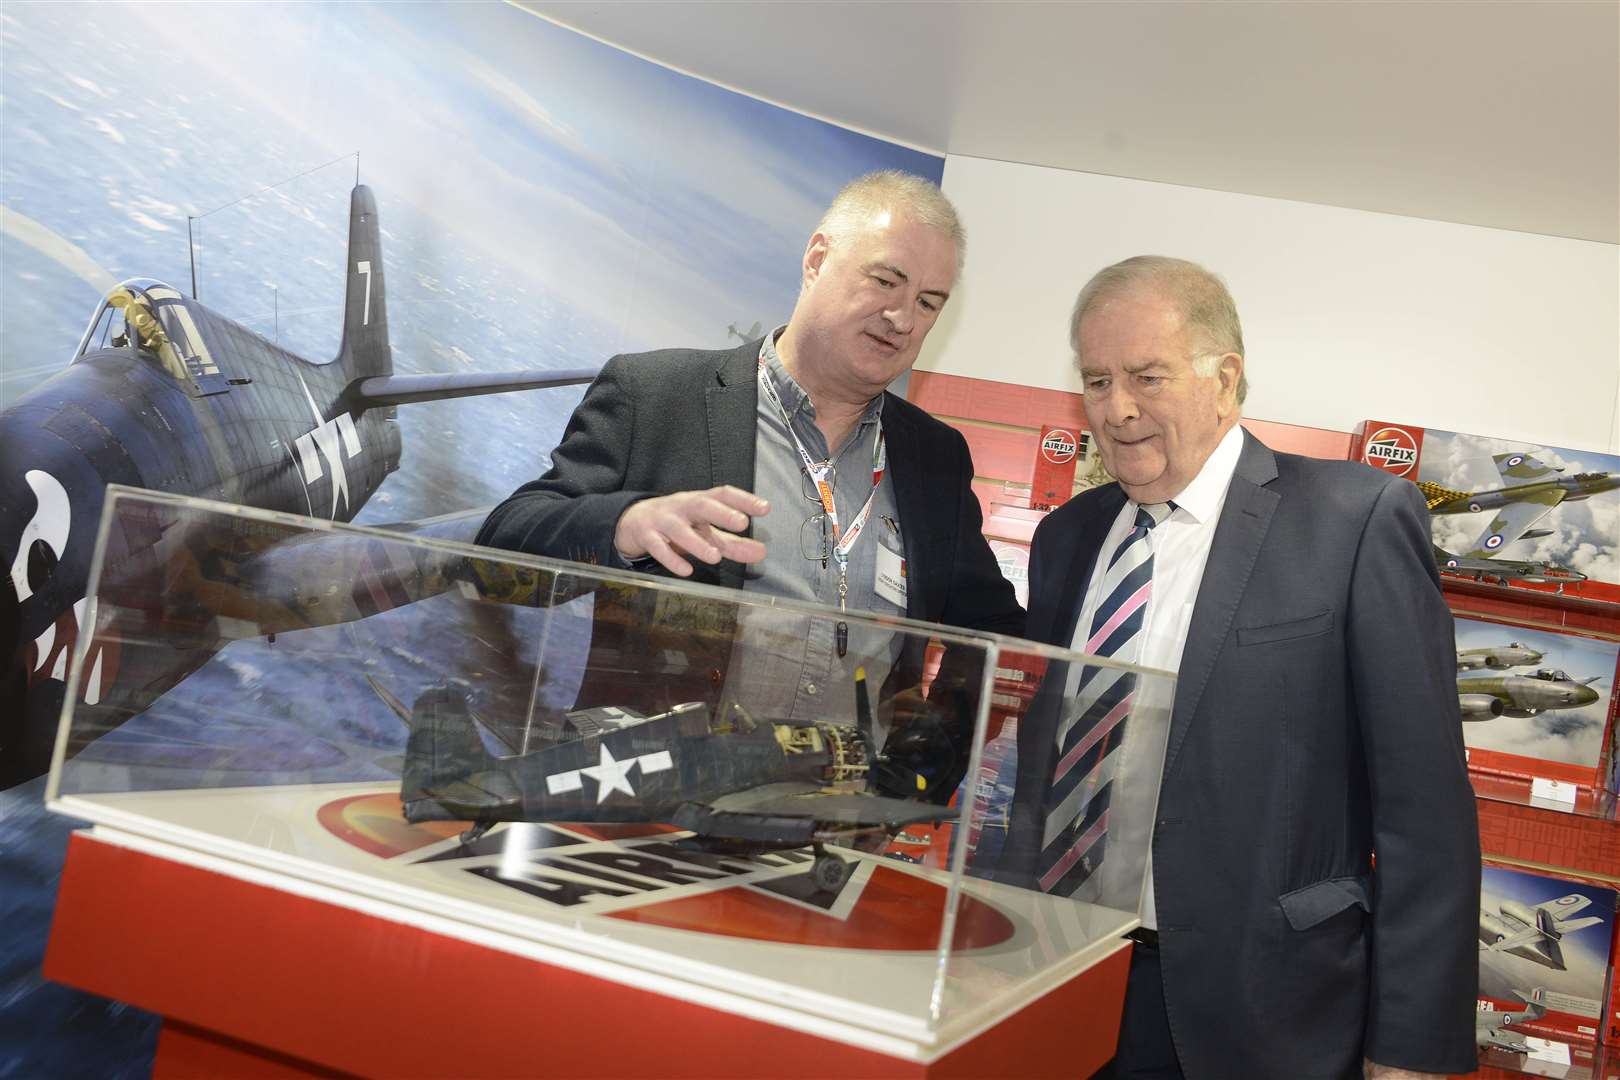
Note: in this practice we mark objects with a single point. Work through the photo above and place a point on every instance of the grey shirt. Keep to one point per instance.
(786, 664)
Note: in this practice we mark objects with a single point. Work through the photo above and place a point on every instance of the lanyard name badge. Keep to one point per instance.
(821, 473)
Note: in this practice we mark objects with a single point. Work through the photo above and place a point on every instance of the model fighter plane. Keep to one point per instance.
(1491, 1025)
(1497, 657)
(1523, 696)
(1535, 933)
(738, 785)
(1496, 571)
(166, 394)
(1530, 489)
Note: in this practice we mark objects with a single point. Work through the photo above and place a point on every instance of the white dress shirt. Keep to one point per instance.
(1180, 547)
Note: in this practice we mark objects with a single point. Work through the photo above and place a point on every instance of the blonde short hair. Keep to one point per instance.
(892, 189)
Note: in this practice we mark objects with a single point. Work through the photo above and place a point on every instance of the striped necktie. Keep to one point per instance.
(1093, 721)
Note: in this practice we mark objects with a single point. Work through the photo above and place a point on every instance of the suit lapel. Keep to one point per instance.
(731, 407)
(1081, 558)
(914, 506)
(1239, 534)
(732, 404)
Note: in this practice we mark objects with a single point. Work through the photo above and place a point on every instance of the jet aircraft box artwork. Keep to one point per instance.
(1544, 948)
(1508, 511)
(1536, 702)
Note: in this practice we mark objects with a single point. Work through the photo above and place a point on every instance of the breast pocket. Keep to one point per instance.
(1287, 630)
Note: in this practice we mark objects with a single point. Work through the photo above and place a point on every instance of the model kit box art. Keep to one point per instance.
(1544, 948)
(1509, 511)
(1536, 703)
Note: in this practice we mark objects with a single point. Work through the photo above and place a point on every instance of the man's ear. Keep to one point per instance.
(1229, 370)
(815, 257)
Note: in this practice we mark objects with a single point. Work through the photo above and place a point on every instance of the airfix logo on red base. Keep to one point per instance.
(1393, 449)
(648, 874)
(1058, 447)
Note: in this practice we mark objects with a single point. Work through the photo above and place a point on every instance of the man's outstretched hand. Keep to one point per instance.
(702, 525)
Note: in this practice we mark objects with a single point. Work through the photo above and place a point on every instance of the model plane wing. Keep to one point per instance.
(1515, 941)
(1506, 1040)
(1565, 906)
(1522, 468)
(1513, 521)
(802, 799)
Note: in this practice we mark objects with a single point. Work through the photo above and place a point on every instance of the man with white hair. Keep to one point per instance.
(1314, 723)
(788, 457)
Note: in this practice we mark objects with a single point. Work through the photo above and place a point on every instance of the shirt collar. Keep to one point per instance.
(1201, 499)
(792, 394)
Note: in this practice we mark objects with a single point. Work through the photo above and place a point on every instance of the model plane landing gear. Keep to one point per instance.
(476, 833)
(830, 871)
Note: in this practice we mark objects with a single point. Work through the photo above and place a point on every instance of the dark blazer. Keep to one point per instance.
(681, 419)
(1315, 722)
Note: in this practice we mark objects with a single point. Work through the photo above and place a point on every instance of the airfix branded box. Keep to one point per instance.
(1536, 702)
(1542, 517)
(1544, 949)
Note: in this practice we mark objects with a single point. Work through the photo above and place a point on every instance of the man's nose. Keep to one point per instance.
(1122, 407)
(901, 316)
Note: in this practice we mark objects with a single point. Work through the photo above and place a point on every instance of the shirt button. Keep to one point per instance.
(810, 688)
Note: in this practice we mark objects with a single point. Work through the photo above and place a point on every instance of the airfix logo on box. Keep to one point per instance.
(1058, 446)
(1393, 449)
(649, 874)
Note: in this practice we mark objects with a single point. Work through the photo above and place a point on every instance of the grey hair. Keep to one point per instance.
(1207, 309)
(892, 189)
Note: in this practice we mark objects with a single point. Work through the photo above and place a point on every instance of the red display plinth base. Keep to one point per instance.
(255, 981)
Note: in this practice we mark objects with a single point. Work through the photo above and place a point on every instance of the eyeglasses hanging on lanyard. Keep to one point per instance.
(821, 474)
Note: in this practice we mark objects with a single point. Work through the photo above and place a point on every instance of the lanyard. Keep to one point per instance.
(821, 473)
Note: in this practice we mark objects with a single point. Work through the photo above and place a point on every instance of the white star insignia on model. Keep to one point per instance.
(611, 775)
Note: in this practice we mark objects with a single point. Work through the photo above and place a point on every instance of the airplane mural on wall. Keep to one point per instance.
(166, 394)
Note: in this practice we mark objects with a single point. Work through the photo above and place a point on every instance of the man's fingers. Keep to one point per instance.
(738, 499)
(738, 548)
(691, 539)
(700, 524)
(659, 549)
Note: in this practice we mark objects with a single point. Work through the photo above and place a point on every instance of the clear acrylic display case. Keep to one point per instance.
(673, 785)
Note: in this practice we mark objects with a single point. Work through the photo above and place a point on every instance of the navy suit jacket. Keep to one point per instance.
(1315, 723)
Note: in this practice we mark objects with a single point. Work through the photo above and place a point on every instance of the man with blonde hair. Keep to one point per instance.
(785, 466)
(1314, 722)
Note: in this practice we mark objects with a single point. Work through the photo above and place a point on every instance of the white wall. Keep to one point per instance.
(1347, 315)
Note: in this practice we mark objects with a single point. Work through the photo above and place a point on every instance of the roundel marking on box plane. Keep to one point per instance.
(1516, 459)
(1493, 541)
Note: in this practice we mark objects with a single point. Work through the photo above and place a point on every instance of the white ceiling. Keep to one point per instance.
(1504, 114)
